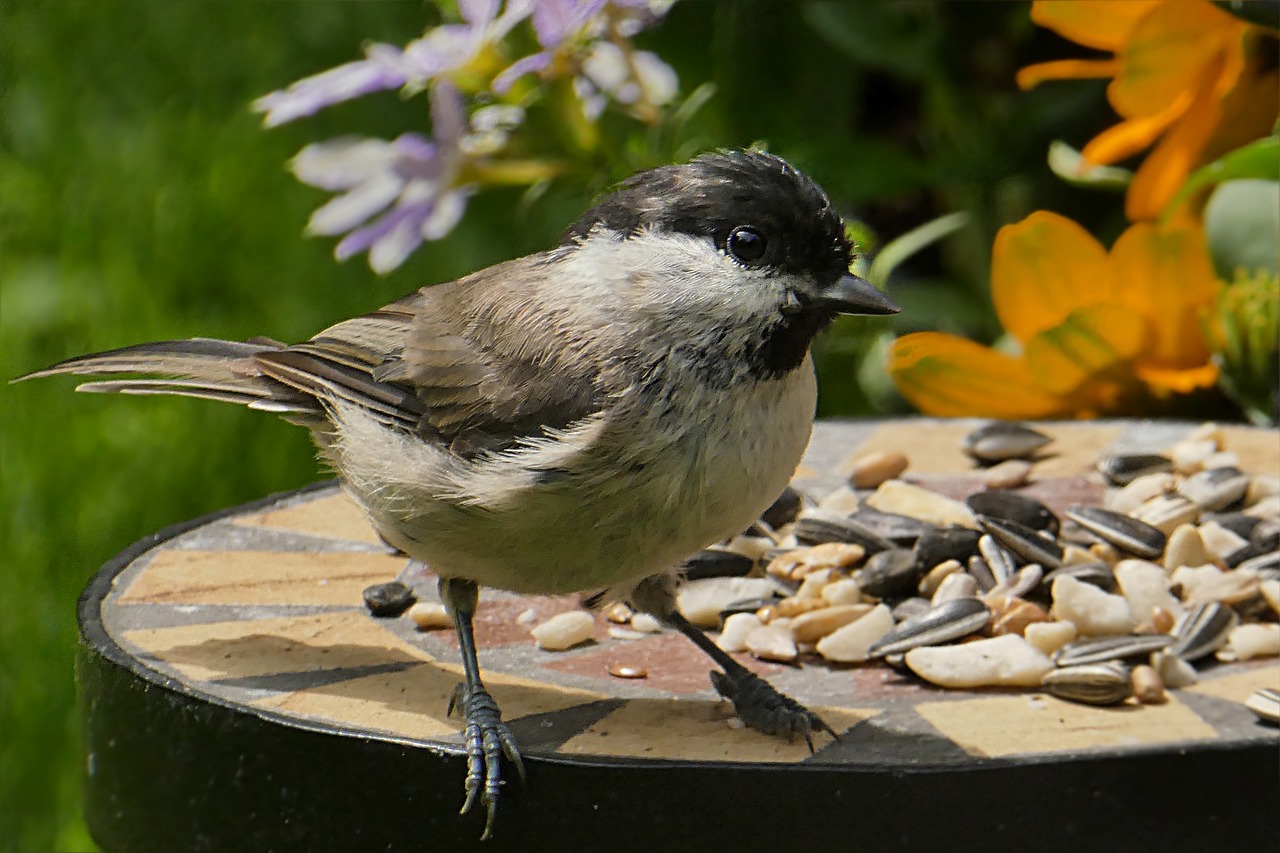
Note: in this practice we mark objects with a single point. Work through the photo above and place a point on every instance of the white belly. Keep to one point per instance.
(641, 497)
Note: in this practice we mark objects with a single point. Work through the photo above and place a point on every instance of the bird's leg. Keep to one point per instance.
(756, 701)
(487, 737)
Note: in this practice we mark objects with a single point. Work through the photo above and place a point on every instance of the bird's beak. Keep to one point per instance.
(852, 295)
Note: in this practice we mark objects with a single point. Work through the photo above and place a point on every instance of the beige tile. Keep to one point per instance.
(217, 650)
(413, 702)
(1036, 723)
(1242, 685)
(688, 730)
(260, 577)
(337, 516)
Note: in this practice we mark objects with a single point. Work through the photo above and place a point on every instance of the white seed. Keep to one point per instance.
(770, 642)
(811, 587)
(702, 600)
(1185, 548)
(1048, 637)
(1145, 586)
(929, 583)
(1093, 611)
(872, 469)
(1218, 543)
(564, 630)
(1262, 486)
(1141, 490)
(428, 616)
(959, 585)
(527, 617)
(843, 500)
(1188, 455)
(736, 629)
(850, 643)
(1192, 577)
(1009, 474)
(1252, 641)
(1221, 459)
(1234, 587)
(1147, 686)
(906, 499)
(1074, 555)
(752, 547)
(1207, 431)
(829, 555)
(1271, 594)
(1167, 512)
(1174, 672)
(1008, 660)
(813, 626)
(843, 591)
(626, 634)
(1267, 508)
(646, 623)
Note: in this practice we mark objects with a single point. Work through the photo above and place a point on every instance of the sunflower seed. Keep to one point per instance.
(1100, 649)
(716, 563)
(981, 572)
(1167, 512)
(1258, 547)
(1024, 542)
(1122, 531)
(948, 621)
(1020, 582)
(1012, 506)
(783, 510)
(1122, 469)
(1215, 488)
(1002, 440)
(746, 605)
(1265, 703)
(388, 600)
(1098, 574)
(899, 529)
(1264, 565)
(815, 527)
(1092, 684)
(889, 574)
(1237, 522)
(910, 607)
(1203, 631)
(939, 544)
(998, 560)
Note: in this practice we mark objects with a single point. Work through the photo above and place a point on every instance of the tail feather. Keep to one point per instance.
(207, 368)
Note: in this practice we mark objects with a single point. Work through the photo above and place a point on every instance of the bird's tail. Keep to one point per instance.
(200, 367)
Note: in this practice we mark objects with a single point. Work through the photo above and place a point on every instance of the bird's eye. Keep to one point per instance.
(746, 244)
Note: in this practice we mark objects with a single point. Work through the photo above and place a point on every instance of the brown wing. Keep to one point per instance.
(453, 360)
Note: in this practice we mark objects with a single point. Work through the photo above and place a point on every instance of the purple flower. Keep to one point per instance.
(438, 52)
(411, 184)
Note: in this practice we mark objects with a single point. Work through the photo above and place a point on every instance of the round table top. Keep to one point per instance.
(258, 610)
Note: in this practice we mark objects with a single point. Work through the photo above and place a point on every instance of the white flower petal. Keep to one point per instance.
(657, 78)
(349, 210)
(606, 66)
(390, 250)
(343, 163)
(447, 213)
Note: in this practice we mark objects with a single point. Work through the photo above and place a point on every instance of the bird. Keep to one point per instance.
(578, 420)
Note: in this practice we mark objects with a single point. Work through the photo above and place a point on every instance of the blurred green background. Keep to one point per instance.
(140, 200)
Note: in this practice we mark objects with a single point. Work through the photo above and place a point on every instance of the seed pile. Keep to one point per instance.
(1180, 565)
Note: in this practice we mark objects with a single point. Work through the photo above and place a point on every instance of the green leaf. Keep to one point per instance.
(1241, 224)
(1259, 159)
(1066, 163)
(900, 248)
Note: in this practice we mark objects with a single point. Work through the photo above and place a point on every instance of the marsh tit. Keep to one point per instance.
(579, 419)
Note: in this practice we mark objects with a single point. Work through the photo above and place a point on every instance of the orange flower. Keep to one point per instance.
(1184, 72)
(1100, 332)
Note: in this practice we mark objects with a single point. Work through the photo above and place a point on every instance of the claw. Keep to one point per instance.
(487, 739)
(765, 709)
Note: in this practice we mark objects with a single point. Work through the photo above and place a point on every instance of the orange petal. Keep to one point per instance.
(1179, 381)
(1133, 135)
(1163, 273)
(1104, 24)
(1167, 167)
(1042, 269)
(1168, 53)
(1066, 69)
(1091, 342)
(946, 376)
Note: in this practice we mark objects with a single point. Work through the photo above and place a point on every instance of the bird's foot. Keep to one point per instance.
(487, 739)
(764, 709)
